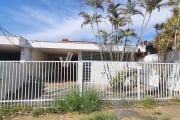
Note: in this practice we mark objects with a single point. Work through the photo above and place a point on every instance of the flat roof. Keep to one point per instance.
(63, 45)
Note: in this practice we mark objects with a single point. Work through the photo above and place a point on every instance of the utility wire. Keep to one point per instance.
(5, 31)
(7, 35)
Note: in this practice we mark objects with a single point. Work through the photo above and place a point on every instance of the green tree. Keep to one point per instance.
(168, 31)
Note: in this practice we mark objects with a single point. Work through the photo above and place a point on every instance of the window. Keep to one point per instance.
(86, 71)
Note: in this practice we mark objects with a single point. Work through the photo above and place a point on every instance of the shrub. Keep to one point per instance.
(90, 101)
(148, 102)
(37, 112)
(71, 102)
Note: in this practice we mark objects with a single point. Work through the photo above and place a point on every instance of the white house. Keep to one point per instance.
(13, 48)
(18, 48)
(14, 72)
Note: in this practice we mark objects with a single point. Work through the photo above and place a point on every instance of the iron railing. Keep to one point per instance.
(40, 82)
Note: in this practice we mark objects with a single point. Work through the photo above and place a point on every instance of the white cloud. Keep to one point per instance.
(69, 28)
(53, 27)
(156, 17)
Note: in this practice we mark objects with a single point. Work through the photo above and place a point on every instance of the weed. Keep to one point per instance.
(90, 101)
(51, 110)
(103, 117)
(26, 109)
(166, 118)
(14, 109)
(36, 112)
(9, 110)
(71, 102)
(126, 103)
(148, 103)
(177, 100)
(1, 111)
(157, 113)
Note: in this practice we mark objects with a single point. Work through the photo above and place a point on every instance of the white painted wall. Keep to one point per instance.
(174, 78)
(98, 72)
(151, 58)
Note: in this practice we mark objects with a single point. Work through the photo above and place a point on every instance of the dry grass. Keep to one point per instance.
(160, 112)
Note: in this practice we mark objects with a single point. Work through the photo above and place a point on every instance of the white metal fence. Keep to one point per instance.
(41, 82)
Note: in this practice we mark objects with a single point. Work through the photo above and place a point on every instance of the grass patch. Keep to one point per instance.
(71, 102)
(36, 112)
(51, 110)
(14, 109)
(127, 103)
(166, 118)
(102, 117)
(157, 113)
(177, 100)
(88, 102)
(148, 103)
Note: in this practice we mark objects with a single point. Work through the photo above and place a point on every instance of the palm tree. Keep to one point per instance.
(128, 33)
(172, 3)
(117, 20)
(96, 18)
(149, 6)
(159, 27)
(96, 4)
(90, 19)
(130, 9)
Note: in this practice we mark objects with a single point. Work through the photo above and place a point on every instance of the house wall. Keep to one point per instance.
(151, 58)
(38, 55)
(101, 70)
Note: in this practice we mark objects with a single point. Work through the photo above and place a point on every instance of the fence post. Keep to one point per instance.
(80, 76)
(138, 84)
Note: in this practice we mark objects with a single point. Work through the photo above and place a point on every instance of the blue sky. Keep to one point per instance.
(52, 20)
